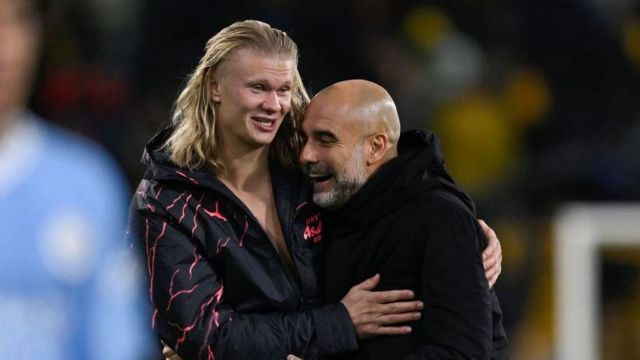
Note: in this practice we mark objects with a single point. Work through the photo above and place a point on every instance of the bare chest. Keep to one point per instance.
(264, 210)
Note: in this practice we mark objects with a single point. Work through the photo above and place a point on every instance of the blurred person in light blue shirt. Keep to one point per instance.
(68, 285)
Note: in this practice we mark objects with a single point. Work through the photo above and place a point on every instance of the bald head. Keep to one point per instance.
(367, 106)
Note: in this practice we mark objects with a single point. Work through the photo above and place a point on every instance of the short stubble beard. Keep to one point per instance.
(347, 182)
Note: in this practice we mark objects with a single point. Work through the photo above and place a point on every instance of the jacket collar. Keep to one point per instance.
(419, 167)
(288, 184)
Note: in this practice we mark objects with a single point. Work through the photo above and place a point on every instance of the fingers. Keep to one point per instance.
(390, 330)
(493, 244)
(383, 296)
(389, 314)
(493, 273)
(370, 283)
(393, 319)
(490, 251)
(372, 311)
(391, 296)
(493, 267)
(492, 255)
(399, 307)
(374, 324)
(490, 262)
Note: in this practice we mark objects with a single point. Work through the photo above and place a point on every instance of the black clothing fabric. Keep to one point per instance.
(217, 285)
(415, 227)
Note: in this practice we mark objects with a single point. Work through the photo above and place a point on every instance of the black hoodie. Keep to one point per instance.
(414, 226)
(217, 286)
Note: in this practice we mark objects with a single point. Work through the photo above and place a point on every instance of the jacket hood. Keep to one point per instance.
(160, 167)
(418, 168)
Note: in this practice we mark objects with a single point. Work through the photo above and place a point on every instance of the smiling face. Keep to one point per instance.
(334, 153)
(351, 130)
(252, 93)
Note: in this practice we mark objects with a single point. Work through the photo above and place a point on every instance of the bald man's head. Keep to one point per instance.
(352, 128)
(365, 103)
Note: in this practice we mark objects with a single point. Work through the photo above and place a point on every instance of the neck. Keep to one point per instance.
(246, 171)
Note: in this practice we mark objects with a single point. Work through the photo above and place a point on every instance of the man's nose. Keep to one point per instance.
(307, 155)
(271, 102)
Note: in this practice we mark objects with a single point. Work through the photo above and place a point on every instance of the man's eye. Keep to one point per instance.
(284, 90)
(325, 141)
(257, 87)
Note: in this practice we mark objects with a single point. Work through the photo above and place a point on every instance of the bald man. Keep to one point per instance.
(391, 208)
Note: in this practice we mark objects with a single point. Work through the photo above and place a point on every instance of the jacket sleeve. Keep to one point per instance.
(456, 321)
(191, 315)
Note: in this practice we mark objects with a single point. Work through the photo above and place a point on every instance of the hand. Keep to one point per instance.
(168, 352)
(492, 255)
(373, 311)
(292, 357)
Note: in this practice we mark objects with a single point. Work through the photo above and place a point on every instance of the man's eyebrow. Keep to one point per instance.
(264, 80)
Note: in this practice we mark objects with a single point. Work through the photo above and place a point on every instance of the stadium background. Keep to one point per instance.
(537, 103)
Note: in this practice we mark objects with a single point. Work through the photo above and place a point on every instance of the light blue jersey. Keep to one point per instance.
(69, 288)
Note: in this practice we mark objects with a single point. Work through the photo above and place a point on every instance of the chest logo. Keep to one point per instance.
(313, 228)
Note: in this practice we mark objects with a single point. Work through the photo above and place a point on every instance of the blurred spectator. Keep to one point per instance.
(68, 287)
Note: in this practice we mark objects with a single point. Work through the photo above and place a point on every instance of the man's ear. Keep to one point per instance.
(214, 87)
(378, 146)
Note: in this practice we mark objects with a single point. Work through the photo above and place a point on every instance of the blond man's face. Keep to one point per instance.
(252, 92)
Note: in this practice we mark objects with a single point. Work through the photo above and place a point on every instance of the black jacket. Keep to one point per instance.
(217, 285)
(411, 224)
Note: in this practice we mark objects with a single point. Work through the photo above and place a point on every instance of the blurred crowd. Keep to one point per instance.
(537, 103)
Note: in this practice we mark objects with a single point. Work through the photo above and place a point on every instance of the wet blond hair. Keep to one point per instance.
(193, 143)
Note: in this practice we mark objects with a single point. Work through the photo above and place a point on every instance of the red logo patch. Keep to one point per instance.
(313, 229)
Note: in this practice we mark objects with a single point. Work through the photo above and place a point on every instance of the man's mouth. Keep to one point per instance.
(265, 123)
(320, 178)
